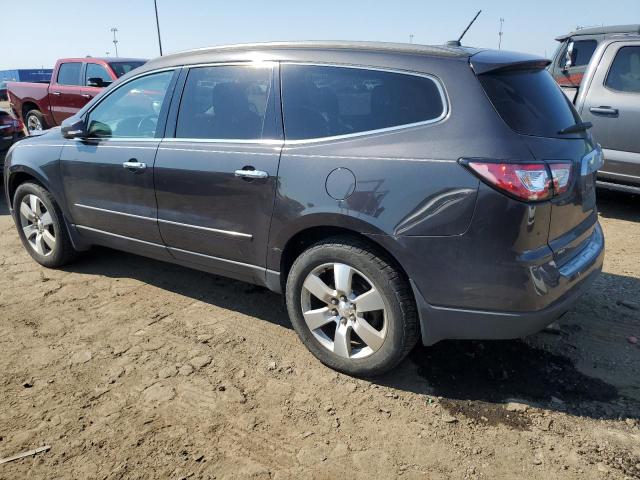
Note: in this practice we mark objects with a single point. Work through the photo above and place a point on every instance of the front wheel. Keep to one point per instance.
(351, 307)
(41, 226)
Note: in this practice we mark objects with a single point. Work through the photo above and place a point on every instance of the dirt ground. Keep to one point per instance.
(133, 368)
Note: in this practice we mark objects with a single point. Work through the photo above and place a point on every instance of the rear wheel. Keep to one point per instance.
(41, 226)
(35, 122)
(351, 307)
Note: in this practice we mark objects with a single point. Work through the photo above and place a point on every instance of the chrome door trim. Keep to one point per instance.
(105, 210)
(207, 229)
(210, 257)
(95, 230)
(266, 141)
(141, 217)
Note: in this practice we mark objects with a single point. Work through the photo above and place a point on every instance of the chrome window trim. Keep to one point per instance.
(439, 85)
(142, 217)
(266, 141)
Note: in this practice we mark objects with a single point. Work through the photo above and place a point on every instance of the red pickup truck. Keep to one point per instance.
(74, 82)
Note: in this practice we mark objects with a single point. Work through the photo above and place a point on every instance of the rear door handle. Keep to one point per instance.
(56, 93)
(251, 173)
(86, 95)
(604, 111)
(134, 165)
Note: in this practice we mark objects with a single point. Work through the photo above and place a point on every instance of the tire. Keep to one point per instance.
(33, 229)
(383, 337)
(33, 118)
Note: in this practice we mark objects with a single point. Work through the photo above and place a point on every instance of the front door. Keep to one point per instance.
(612, 104)
(216, 179)
(108, 177)
(65, 91)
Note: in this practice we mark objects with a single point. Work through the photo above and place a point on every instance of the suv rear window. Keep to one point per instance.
(529, 101)
(327, 101)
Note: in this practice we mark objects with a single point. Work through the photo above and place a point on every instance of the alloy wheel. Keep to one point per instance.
(37, 225)
(344, 311)
(34, 124)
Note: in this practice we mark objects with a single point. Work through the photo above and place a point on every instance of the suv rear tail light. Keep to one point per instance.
(561, 174)
(524, 181)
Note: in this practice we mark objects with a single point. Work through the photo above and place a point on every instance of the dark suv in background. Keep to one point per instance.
(392, 192)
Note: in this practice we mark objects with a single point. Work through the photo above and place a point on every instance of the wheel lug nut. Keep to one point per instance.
(334, 301)
(343, 298)
(334, 312)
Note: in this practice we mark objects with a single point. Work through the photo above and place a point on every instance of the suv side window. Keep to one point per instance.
(227, 103)
(624, 74)
(326, 101)
(69, 73)
(582, 52)
(98, 72)
(132, 110)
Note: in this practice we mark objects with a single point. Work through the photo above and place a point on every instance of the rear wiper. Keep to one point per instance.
(578, 127)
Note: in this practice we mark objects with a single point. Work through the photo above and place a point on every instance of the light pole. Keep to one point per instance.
(411, 38)
(115, 40)
(500, 34)
(155, 4)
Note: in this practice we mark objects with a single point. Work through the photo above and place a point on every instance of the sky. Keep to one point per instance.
(49, 29)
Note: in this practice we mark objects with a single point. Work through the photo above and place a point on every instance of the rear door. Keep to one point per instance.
(612, 104)
(65, 92)
(216, 179)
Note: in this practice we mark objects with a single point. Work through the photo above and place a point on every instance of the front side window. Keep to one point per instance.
(132, 110)
(69, 73)
(324, 101)
(97, 76)
(582, 52)
(624, 75)
(227, 102)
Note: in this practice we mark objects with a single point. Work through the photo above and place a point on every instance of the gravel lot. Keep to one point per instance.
(132, 368)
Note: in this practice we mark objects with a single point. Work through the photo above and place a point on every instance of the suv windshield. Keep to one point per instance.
(120, 68)
(530, 102)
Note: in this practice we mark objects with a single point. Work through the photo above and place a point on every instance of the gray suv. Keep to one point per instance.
(393, 193)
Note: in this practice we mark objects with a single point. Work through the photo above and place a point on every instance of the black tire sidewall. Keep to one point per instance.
(393, 348)
(61, 252)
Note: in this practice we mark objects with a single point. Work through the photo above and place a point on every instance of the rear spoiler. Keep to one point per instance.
(497, 60)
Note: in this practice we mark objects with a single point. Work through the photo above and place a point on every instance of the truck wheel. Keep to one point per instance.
(351, 307)
(41, 226)
(35, 121)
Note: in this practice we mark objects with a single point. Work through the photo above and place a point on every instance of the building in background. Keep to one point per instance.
(26, 75)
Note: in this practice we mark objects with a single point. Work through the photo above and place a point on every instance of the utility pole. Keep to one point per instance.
(500, 34)
(155, 4)
(107, 53)
(411, 38)
(115, 40)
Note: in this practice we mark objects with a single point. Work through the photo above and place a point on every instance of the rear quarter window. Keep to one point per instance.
(327, 101)
(529, 101)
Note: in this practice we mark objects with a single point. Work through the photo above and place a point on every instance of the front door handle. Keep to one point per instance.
(134, 165)
(250, 172)
(604, 111)
(56, 93)
(86, 95)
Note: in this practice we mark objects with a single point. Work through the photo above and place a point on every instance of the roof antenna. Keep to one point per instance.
(456, 43)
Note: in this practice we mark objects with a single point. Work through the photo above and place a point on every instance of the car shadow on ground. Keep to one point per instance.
(472, 377)
(620, 205)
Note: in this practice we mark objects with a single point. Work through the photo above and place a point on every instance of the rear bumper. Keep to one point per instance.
(573, 279)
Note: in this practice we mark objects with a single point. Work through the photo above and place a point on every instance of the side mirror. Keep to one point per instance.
(568, 56)
(73, 128)
(97, 82)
